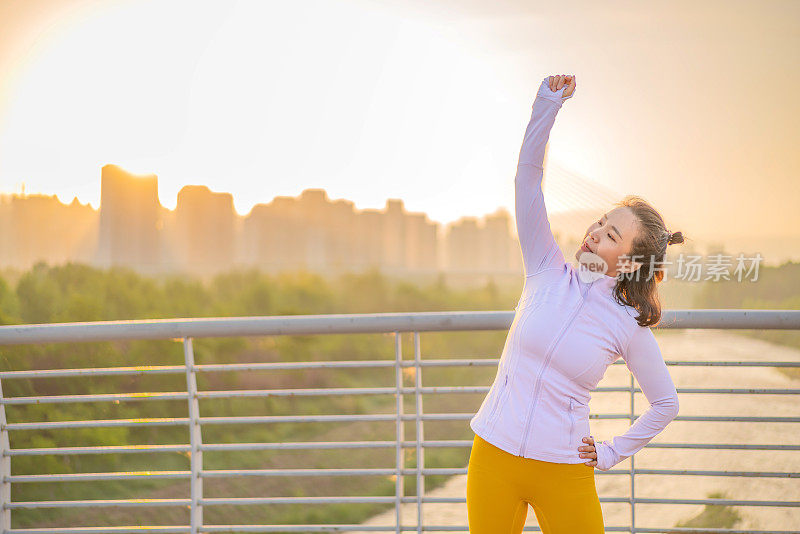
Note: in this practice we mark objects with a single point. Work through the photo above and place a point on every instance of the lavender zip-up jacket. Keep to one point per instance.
(567, 330)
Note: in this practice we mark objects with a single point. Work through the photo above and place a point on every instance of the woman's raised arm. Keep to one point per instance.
(539, 248)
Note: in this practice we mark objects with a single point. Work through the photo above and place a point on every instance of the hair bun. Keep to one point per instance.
(675, 238)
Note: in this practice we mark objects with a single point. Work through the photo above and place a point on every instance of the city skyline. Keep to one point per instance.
(204, 234)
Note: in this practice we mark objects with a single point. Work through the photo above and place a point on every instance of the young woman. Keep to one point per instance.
(532, 443)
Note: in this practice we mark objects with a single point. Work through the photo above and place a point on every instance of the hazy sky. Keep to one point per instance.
(692, 105)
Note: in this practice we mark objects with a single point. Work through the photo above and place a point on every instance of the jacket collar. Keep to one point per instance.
(607, 283)
(604, 282)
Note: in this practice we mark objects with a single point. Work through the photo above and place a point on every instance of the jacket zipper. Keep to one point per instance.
(544, 367)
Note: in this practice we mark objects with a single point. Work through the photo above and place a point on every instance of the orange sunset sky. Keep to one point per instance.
(690, 104)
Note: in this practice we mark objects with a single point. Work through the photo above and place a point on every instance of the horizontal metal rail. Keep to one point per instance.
(327, 472)
(273, 366)
(248, 501)
(357, 323)
(263, 393)
(344, 528)
(392, 324)
(316, 445)
(250, 419)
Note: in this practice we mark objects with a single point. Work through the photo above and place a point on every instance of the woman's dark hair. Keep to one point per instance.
(638, 289)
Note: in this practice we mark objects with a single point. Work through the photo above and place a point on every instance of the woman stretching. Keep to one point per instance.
(532, 443)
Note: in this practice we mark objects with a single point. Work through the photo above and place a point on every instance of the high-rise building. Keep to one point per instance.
(41, 228)
(129, 221)
(203, 238)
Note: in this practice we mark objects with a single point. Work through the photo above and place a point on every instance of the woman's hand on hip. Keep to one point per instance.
(588, 451)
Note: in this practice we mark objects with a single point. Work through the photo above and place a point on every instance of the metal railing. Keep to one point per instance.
(396, 323)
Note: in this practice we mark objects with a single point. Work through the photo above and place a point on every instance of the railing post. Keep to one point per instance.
(419, 430)
(633, 475)
(5, 470)
(195, 439)
(398, 355)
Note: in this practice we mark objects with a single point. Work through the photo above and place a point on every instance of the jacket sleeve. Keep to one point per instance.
(539, 248)
(644, 360)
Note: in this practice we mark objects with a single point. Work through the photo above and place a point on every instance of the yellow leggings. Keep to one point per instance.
(500, 486)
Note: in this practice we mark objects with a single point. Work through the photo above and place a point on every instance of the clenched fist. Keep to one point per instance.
(560, 80)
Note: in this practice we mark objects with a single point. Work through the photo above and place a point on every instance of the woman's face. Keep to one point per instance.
(608, 238)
